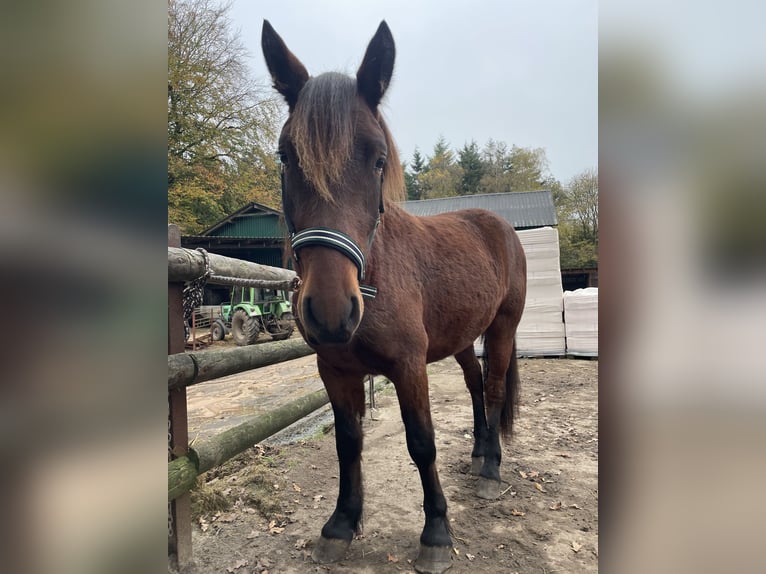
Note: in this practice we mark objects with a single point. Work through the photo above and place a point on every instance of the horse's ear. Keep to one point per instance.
(374, 74)
(287, 72)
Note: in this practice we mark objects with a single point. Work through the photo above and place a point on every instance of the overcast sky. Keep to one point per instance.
(522, 72)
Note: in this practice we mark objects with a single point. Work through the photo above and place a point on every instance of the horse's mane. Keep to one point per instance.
(322, 128)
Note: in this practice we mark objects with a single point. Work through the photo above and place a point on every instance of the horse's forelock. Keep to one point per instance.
(322, 128)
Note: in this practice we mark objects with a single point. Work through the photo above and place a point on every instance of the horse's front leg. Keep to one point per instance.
(346, 394)
(435, 542)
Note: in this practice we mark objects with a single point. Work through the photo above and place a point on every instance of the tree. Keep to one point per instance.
(442, 179)
(220, 122)
(497, 165)
(583, 203)
(578, 221)
(473, 169)
(413, 179)
(528, 167)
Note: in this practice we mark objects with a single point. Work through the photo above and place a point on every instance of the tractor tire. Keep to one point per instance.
(244, 329)
(218, 330)
(287, 324)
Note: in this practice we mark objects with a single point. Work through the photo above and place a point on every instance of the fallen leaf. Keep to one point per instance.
(296, 488)
(574, 506)
(228, 517)
(253, 534)
(274, 529)
(523, 474)
(539, 487)
(456, 551)
(515, 512)
(470, 556)
(318, 497)
(533, 474)
(500, 546)
(203, 524)
(236, 566)
(576, 547)
(301, 543)
(556, 506)
(276, 486)
(393, 558)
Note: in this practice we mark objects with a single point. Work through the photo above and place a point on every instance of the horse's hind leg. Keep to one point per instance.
(500, 349)
(435, 542)
(475, 383)
(346, 394)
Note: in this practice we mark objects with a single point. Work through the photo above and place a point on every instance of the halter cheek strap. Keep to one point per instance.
(334, 239)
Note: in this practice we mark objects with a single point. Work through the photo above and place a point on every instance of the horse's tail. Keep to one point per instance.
(512, 384)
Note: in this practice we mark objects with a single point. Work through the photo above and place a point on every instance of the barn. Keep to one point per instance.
(533, 214)
(254, 233)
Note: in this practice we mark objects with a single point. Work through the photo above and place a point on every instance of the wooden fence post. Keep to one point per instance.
(179, 519)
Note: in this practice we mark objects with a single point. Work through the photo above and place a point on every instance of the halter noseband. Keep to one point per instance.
(334, 239)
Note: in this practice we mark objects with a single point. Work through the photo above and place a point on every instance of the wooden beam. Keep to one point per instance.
(189, 264)
(191, 368)
(212, 452)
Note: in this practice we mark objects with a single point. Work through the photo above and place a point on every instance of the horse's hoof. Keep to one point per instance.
(487, 488)
(433, 559)
(329, 550)
(476, 463)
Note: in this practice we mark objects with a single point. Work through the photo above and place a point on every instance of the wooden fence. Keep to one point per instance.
(186, 369)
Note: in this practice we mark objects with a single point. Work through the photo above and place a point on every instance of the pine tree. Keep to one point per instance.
(473, 169)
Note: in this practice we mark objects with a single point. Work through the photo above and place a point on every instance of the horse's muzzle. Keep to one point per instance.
(331, 324)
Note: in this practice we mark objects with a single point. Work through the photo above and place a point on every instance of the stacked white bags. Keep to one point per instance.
(541, 331)
(581, 318)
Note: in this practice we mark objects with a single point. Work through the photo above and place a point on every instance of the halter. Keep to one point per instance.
(334, 239)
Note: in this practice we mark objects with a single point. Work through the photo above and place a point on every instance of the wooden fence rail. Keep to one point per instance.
(210, 453)
(189, 264)
(191, 368)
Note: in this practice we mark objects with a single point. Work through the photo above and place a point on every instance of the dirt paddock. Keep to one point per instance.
(262, 511)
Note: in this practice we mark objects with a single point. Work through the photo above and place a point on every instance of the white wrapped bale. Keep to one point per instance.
(581, 319)
(541, 330)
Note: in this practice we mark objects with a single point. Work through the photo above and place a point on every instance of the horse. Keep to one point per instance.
(385, 292)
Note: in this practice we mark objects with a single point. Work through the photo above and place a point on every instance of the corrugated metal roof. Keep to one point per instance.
(522, 209)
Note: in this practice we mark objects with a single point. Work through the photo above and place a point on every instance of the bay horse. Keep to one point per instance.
(385, 292)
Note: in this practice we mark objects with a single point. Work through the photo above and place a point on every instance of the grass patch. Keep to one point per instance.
(207, 499)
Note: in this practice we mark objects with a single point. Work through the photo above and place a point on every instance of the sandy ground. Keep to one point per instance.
(262, 511)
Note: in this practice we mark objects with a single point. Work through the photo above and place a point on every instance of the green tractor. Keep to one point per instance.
(252, 311)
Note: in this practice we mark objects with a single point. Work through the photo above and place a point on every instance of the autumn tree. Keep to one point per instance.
(442, 179)
(578, 221)
(527, 168)
(496, 160)
(221, 124)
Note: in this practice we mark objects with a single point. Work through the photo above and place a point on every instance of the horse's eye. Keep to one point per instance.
(282, 157)
(380, 163)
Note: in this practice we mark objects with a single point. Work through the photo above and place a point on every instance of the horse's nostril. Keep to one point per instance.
(307, 311)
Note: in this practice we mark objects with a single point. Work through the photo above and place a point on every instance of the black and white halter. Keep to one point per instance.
(335, 239)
